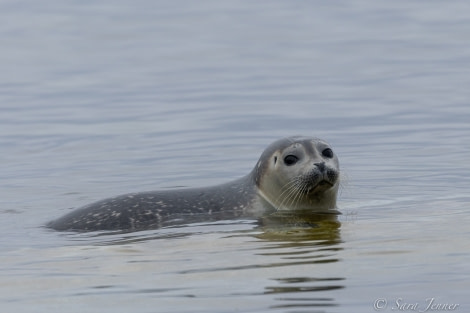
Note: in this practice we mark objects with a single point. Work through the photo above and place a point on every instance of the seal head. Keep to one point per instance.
(298, 174)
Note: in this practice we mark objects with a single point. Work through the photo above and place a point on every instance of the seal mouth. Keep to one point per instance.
(317, 181)
(319, 187)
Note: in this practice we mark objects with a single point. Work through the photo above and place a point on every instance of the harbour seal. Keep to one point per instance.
(294, 175)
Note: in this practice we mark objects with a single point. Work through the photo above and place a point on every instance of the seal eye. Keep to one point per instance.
(327, 153)
(290, 159)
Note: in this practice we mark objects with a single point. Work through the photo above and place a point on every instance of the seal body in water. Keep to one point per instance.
(295, 175)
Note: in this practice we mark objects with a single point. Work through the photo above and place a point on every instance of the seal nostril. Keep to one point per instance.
(321, 166)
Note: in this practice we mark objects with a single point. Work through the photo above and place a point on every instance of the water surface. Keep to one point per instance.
(104, 98)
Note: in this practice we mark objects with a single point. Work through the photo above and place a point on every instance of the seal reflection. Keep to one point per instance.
(311, 245)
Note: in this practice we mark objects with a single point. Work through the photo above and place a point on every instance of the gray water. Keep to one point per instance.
(109, 97)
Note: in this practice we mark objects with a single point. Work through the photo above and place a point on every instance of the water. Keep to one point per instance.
(103, 98)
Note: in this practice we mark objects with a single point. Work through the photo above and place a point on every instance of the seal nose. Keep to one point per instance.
(321, 166)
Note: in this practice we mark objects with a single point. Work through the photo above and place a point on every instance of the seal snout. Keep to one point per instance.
(320, 178)
(321, 166)
(330, 175)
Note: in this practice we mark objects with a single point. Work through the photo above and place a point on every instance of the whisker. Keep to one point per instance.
(300, 193)
(286, 189)
(291, 192)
